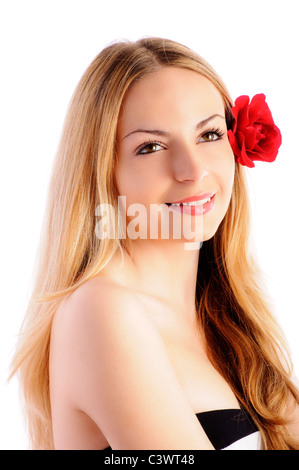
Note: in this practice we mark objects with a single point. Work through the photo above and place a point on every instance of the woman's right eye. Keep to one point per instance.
(149, 147)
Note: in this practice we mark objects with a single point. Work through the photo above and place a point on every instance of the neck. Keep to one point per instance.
(166, 269)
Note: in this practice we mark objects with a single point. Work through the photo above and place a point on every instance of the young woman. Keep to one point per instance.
(133, 339)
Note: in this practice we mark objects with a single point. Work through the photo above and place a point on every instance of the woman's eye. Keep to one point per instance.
(211, 136)
(150, 147)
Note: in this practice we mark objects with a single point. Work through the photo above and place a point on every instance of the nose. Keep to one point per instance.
(188, 164)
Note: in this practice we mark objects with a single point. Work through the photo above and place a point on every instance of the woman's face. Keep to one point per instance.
(173, 145)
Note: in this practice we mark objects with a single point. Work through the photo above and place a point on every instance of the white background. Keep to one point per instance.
(45, 48)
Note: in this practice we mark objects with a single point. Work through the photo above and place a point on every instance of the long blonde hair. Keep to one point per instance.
(242, 337)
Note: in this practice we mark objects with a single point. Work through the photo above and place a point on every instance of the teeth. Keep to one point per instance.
(194, 203)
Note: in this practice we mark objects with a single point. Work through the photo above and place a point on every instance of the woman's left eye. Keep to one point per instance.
(211, 136)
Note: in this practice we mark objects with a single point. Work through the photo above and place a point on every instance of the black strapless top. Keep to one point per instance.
(224, 427)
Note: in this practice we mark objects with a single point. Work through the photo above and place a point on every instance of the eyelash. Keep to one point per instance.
(146, 144)
(217, 131)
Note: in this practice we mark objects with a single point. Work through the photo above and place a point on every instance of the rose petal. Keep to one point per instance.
(251, 137)
(259, 110)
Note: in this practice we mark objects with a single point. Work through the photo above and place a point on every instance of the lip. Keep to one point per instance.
(194, 198)
(195, 210)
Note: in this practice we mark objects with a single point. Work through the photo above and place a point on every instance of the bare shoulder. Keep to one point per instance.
(103, 314)
(109, 361)
(102, 318)
(100, 301)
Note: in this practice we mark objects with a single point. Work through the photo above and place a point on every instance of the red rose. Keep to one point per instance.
(253, 136)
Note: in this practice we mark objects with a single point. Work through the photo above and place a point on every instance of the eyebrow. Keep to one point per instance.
(165, 133)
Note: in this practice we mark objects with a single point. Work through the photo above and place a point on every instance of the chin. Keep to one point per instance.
(207, 235)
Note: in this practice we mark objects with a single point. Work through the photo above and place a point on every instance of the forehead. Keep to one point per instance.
(170, 93)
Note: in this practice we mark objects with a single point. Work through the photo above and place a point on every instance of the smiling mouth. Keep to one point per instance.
(193, 200)
(194, 206)
(199, 202)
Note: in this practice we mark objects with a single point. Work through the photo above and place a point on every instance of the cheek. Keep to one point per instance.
(226, 171)
(229, 177)
(138, 181)
(223, 171)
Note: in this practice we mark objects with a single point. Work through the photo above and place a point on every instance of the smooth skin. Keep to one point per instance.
(128, 363)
